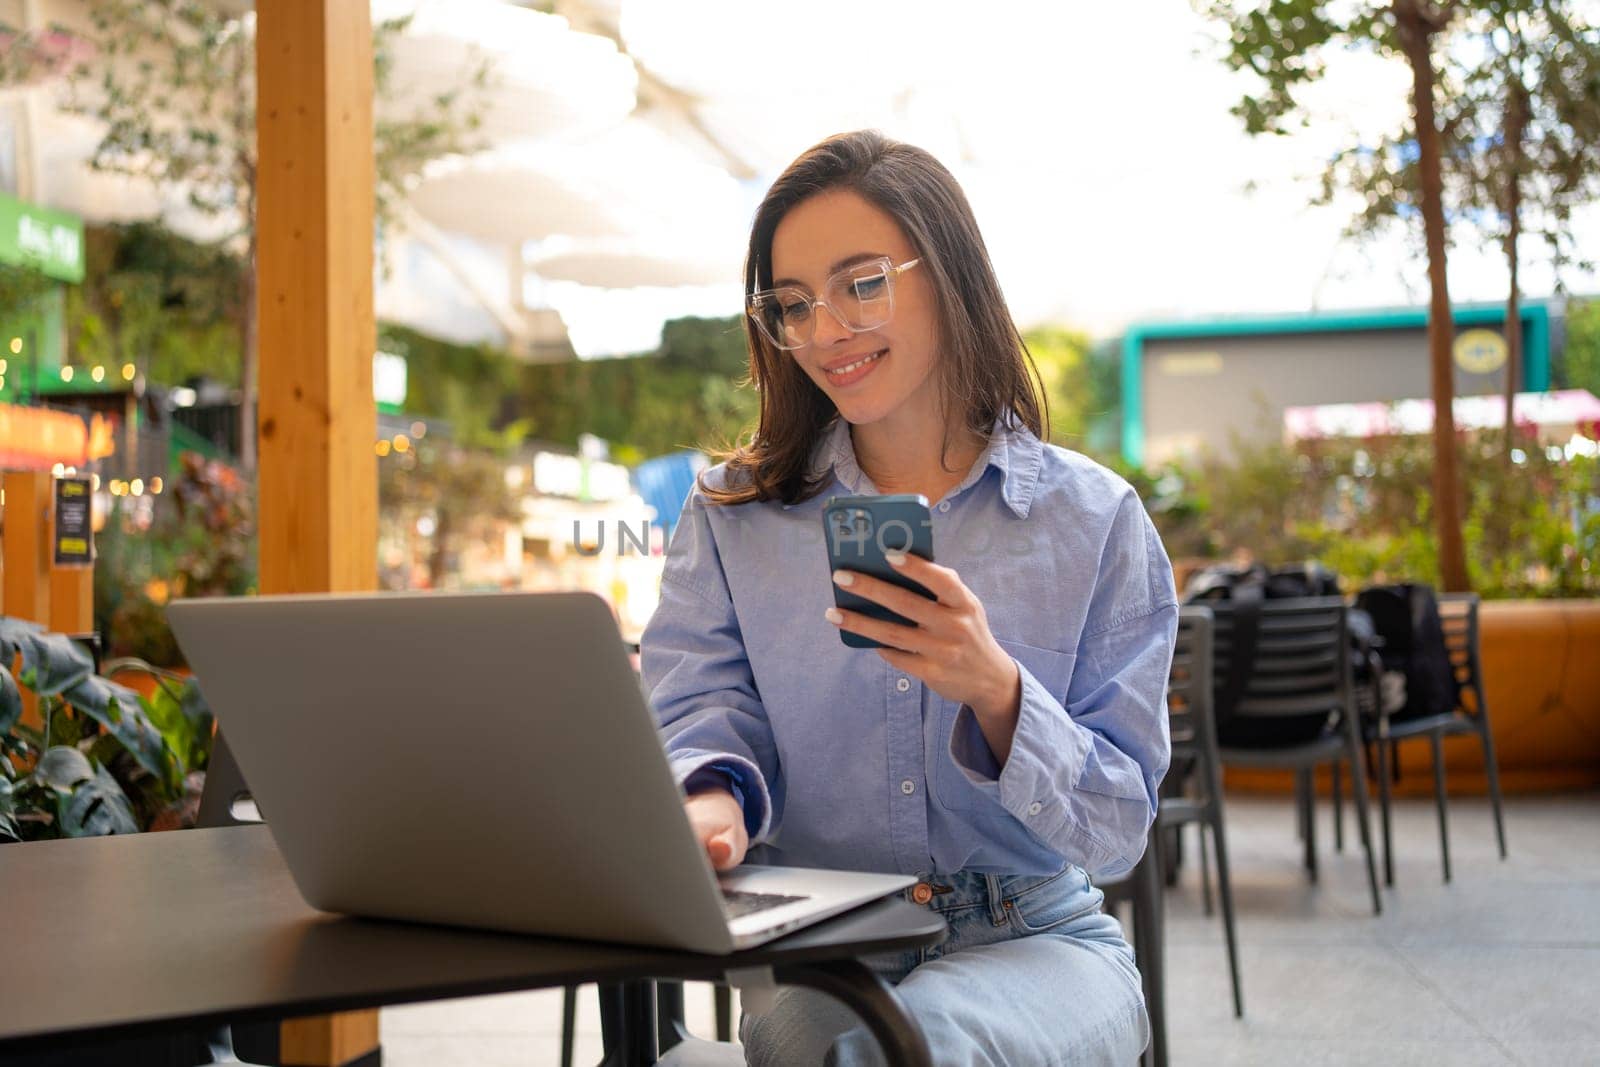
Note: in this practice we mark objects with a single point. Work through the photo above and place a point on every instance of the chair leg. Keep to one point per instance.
(1338, 807)
(1385, 807)
(1205, 866)
(1441, 801)
(1358, 787)
(569, 1022)
(1149, 949)
(1225, 891)
(723, 998)
(1491, 763)
(1310, 819)
(1299, 807)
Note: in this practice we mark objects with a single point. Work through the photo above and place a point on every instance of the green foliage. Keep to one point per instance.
(105, 760)
(462, 490)
(196, 539)
(170, 306)
(1365, 510)
(1062, 357)
(1580, 364)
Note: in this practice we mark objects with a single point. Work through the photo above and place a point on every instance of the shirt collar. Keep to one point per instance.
(1012, 450)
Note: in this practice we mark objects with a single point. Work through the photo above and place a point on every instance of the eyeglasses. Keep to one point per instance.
(860, 297)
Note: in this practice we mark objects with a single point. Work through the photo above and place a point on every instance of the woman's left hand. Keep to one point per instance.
(950, 648)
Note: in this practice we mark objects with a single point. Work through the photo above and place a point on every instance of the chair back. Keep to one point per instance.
(1189, 686)
(1301, 663)
(1458, 616)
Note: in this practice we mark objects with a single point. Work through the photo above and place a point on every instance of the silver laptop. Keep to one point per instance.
(479, 759)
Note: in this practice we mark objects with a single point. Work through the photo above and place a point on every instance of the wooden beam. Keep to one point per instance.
(29, 518)
(314, 230)
(317, 474)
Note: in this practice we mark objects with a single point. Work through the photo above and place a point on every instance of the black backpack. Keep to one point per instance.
(1406, 618)
(1246, 587)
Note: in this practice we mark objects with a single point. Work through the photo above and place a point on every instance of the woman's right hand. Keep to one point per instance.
(718, 824)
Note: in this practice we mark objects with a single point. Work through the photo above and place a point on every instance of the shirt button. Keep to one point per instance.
(903, 684)
(908, 787)
(921, 893)
(944, 505)
(1035, 808)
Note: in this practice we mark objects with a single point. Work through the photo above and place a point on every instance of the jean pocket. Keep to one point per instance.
(1054, 902)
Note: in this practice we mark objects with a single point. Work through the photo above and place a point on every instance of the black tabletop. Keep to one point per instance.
(108, 936)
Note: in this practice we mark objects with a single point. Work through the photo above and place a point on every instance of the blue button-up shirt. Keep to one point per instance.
(842, 761)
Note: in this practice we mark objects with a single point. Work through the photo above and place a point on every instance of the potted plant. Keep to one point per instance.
(103, 759)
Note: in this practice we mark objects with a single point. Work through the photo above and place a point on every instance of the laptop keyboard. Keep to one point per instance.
(737, 903)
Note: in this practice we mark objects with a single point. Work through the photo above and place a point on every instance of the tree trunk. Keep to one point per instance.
(1516, 127)
(1416, 22)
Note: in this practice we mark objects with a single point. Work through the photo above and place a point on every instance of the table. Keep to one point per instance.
(120, 936)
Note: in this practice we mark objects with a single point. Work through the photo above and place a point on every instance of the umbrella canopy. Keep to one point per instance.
(505, 198)
(627, 266)
(544, 78)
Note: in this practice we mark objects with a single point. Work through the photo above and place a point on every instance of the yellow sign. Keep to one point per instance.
(1480, 351)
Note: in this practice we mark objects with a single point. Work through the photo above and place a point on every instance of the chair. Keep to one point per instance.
(1142, 890)
(1458, 614)
(1301, 667)
(1197, 797)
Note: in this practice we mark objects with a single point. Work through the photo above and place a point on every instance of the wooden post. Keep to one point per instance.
(316, 419)
(28, 521)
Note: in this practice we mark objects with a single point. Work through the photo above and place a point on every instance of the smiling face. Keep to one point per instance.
(886, 373)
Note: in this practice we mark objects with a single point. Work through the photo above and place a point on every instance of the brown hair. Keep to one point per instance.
(984, 366)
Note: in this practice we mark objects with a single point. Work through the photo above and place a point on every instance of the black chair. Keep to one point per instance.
(1300, 670)
(1458, 614)
(1193, 795)
(1142, 890)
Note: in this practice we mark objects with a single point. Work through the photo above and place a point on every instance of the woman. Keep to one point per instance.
(1008, 745)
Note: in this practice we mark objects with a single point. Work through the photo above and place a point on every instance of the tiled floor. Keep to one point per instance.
(1502, 966)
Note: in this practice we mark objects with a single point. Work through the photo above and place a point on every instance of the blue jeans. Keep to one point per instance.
(1033, 974)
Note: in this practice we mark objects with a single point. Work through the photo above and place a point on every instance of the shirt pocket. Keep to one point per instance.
(954, 786)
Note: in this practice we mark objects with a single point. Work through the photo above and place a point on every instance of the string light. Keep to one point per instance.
(136, 487)
(402, 443)
(382, 448)
(66, 374)
(156, 486)
(16, 346)
(419, 430)
(98, 374)
(128, 372)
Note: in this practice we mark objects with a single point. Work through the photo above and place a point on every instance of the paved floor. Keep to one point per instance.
(1502, 966)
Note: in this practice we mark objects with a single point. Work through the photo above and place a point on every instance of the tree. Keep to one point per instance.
(173, 82)
(1283, 43)
(1529, 140)
(1520, 119)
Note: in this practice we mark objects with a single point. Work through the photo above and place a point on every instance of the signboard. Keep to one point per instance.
(389, 382)
(1480, 351)
(74, 537)
(50, 242)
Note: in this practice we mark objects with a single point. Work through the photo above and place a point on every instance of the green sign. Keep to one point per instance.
(50, 242)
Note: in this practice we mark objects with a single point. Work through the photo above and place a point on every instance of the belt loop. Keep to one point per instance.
(997, 907)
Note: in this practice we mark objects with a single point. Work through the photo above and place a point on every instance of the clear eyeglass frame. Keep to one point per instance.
(787, 315)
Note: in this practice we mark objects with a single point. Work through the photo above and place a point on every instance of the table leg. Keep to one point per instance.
(855, 985)
(628, 1023)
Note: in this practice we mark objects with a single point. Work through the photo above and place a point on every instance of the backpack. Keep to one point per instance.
(1420, 679)
(1246, 587)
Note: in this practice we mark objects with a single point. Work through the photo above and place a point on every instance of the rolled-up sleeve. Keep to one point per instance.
(697, 674)
(1085, 764)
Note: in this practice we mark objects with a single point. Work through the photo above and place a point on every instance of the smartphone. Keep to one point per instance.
(858, 531)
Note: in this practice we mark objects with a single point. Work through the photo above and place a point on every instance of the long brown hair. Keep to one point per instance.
(984, 366)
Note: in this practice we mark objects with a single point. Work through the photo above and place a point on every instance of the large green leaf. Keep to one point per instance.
(12, 633)
(10, 701)
(53, 663)
(121, 711)
(96, 808)
(62, 768)
(180, 712)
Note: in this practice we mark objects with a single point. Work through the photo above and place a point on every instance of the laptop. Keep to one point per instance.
(483, 760)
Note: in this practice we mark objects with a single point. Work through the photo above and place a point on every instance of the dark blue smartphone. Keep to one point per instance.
(858, 531)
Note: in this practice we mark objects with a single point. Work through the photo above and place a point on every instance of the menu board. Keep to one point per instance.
(74, 539)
